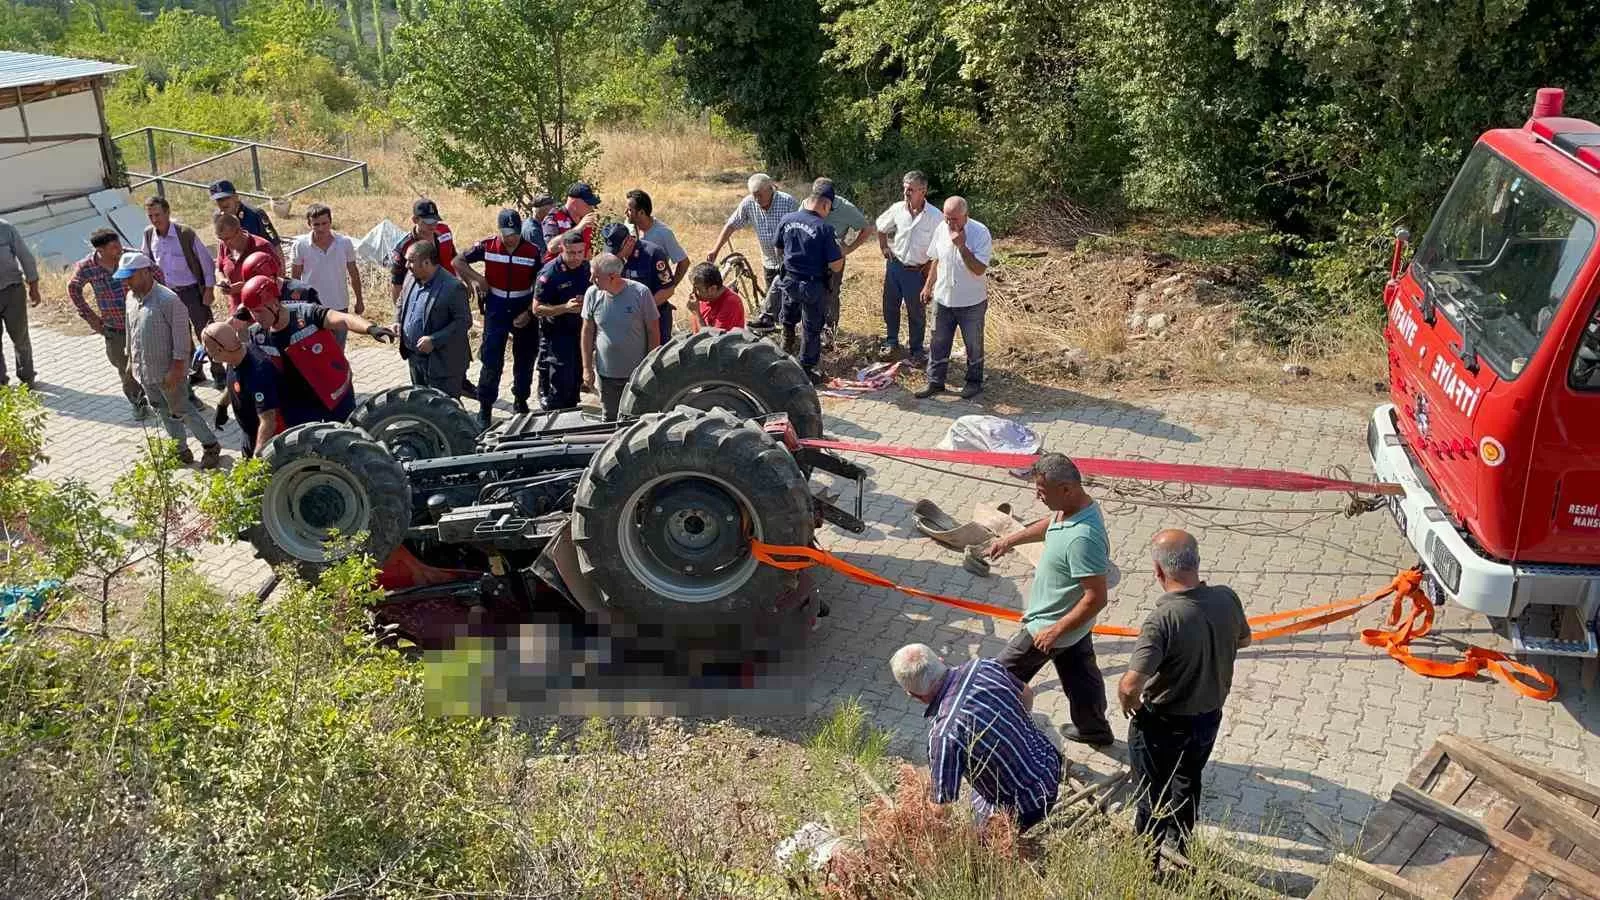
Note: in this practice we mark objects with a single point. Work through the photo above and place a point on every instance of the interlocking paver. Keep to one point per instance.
(1316, 719)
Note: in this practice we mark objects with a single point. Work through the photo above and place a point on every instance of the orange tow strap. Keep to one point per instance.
(1396, 639)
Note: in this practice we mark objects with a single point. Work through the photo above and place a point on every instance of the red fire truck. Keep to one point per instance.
(1493, 337)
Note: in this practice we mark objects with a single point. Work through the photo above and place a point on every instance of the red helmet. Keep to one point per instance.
(259, 290)
(258, 263)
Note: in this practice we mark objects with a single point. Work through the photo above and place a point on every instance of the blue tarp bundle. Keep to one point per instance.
(21, 601)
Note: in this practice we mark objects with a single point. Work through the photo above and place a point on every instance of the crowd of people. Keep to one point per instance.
(581, 304)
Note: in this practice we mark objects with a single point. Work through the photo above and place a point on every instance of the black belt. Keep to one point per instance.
(909, 267)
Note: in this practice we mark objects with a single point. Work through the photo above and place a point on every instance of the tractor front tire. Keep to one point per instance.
(417, 422)
(732, 370)
(329, 478)
(663, 513)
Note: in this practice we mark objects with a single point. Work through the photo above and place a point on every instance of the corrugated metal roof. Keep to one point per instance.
(23, 69)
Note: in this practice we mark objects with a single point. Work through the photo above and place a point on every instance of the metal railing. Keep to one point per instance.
(254, 148)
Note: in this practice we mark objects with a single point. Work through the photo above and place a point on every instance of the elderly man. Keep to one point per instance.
(577, 214)
(1177, 681)
(253, 385)
(905, 230)
(810, 254)
(620, 328)
(1068, 591)
(235, 249)
(981, 731)
(762, 210)
(159, 338)
(558, 306)
(958, 256)
(645, 226)
(108, 317)
(434, 319)
(186, 267)
(252, 219)
(17, 267)
(852, 229)
(647, 264)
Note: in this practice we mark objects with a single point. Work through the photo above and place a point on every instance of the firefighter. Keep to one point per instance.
(558, 304)
(505, 289)
(253, 386)
(298, 338)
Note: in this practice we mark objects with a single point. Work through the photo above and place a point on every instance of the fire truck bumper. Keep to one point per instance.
(1459, 572)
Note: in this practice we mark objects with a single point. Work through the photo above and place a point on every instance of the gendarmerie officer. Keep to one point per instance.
(558, 306)
(510, 266)
(810, 250)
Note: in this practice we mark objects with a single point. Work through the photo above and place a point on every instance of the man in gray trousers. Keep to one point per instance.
(17, 267)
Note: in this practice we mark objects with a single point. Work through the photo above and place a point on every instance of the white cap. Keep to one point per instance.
(132, 261)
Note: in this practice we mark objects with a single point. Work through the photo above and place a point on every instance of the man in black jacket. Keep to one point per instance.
(434, 318)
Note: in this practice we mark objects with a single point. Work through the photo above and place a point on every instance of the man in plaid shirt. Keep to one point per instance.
(109, 314)
(762, 210)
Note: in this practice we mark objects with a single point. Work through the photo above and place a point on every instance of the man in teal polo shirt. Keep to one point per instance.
(1069, 590)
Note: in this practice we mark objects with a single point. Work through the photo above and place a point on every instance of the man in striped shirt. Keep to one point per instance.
(108, 317)
(762, 210)
(981, 732)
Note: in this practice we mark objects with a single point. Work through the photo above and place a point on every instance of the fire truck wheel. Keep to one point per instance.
(329, 478)
(733, 370)
(418, 423)
(664, 512)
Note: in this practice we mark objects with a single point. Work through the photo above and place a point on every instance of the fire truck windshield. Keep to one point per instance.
(1498, 261)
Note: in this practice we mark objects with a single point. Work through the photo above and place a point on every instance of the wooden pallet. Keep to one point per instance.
(1475, 821)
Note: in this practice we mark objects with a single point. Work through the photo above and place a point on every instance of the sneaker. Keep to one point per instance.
(827, 336)
(141, 411)
(929, 391)
(970, 390)
(762, 322)
(520, 406)
(1071, 733)
(185, 455)
(210, 456)
(888, 351)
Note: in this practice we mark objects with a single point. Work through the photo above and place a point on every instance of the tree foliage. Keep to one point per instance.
(490, 87)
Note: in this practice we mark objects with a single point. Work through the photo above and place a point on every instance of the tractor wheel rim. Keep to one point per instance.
(308, 501)
(410, 438)
(682, 536)
(709, 395)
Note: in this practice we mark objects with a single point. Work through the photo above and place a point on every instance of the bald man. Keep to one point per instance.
(958, 257)
(1177, 681)
(252, 385)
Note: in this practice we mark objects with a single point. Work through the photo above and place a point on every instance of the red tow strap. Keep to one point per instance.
(1216, 476)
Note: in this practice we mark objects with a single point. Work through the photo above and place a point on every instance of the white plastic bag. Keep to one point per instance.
(990, 434)
(813, 837)
(377, 244)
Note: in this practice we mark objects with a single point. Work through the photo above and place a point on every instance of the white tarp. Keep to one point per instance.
(375, 246)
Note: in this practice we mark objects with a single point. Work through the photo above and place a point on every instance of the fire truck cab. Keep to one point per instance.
(1493, 429)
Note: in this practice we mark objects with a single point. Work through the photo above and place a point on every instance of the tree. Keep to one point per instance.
(488, 87)
(757, 63)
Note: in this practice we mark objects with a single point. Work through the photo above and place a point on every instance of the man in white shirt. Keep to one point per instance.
(326, 260)
(905, 230)
(958, 257)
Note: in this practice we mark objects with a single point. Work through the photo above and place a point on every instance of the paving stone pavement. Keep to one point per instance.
(1318, 720)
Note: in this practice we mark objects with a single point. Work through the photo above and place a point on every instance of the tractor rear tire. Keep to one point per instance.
(732, 370)
(418, 423)
(328, 477)
(662, 513)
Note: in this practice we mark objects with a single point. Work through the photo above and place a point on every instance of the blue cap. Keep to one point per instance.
(614, 234)
(582, 191)
(223, 188)
(509, 222)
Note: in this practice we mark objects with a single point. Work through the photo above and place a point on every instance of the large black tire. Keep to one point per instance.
(418, 423)
(680, 491)
(329, 477)
(732, 370)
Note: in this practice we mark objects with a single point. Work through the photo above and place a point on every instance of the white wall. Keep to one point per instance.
(31, 172)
